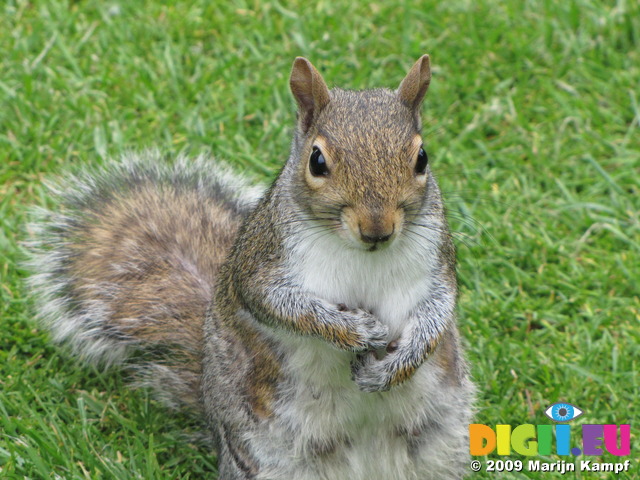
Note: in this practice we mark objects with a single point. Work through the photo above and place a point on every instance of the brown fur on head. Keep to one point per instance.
(361, 154)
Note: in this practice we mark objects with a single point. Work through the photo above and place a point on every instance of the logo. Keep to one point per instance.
(529, 440)
(562, 412)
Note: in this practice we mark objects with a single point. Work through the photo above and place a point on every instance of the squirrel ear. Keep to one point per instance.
(414, 86)
(309, 89)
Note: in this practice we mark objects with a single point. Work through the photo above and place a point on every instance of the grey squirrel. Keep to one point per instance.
(311, 325)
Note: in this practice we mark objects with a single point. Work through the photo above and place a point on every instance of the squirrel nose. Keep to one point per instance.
(375, 236)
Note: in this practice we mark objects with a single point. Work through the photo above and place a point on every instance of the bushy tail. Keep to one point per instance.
(125, 264)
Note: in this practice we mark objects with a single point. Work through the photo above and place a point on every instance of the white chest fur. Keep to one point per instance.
(389, 282)
(323, 407)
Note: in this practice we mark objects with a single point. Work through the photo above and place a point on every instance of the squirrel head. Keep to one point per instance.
(360, 164)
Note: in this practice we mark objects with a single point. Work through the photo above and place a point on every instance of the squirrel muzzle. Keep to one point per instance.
(373, 229)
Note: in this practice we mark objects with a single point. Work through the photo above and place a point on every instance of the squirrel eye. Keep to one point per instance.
(421, 162)
(317, 163)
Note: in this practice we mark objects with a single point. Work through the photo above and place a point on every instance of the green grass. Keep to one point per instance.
(533, 128)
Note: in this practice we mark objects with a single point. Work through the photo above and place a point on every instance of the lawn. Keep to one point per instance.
(533, 127)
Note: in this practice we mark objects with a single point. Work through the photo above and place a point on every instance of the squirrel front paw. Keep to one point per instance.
(374, 374)
(363, 331)
(371, 374)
